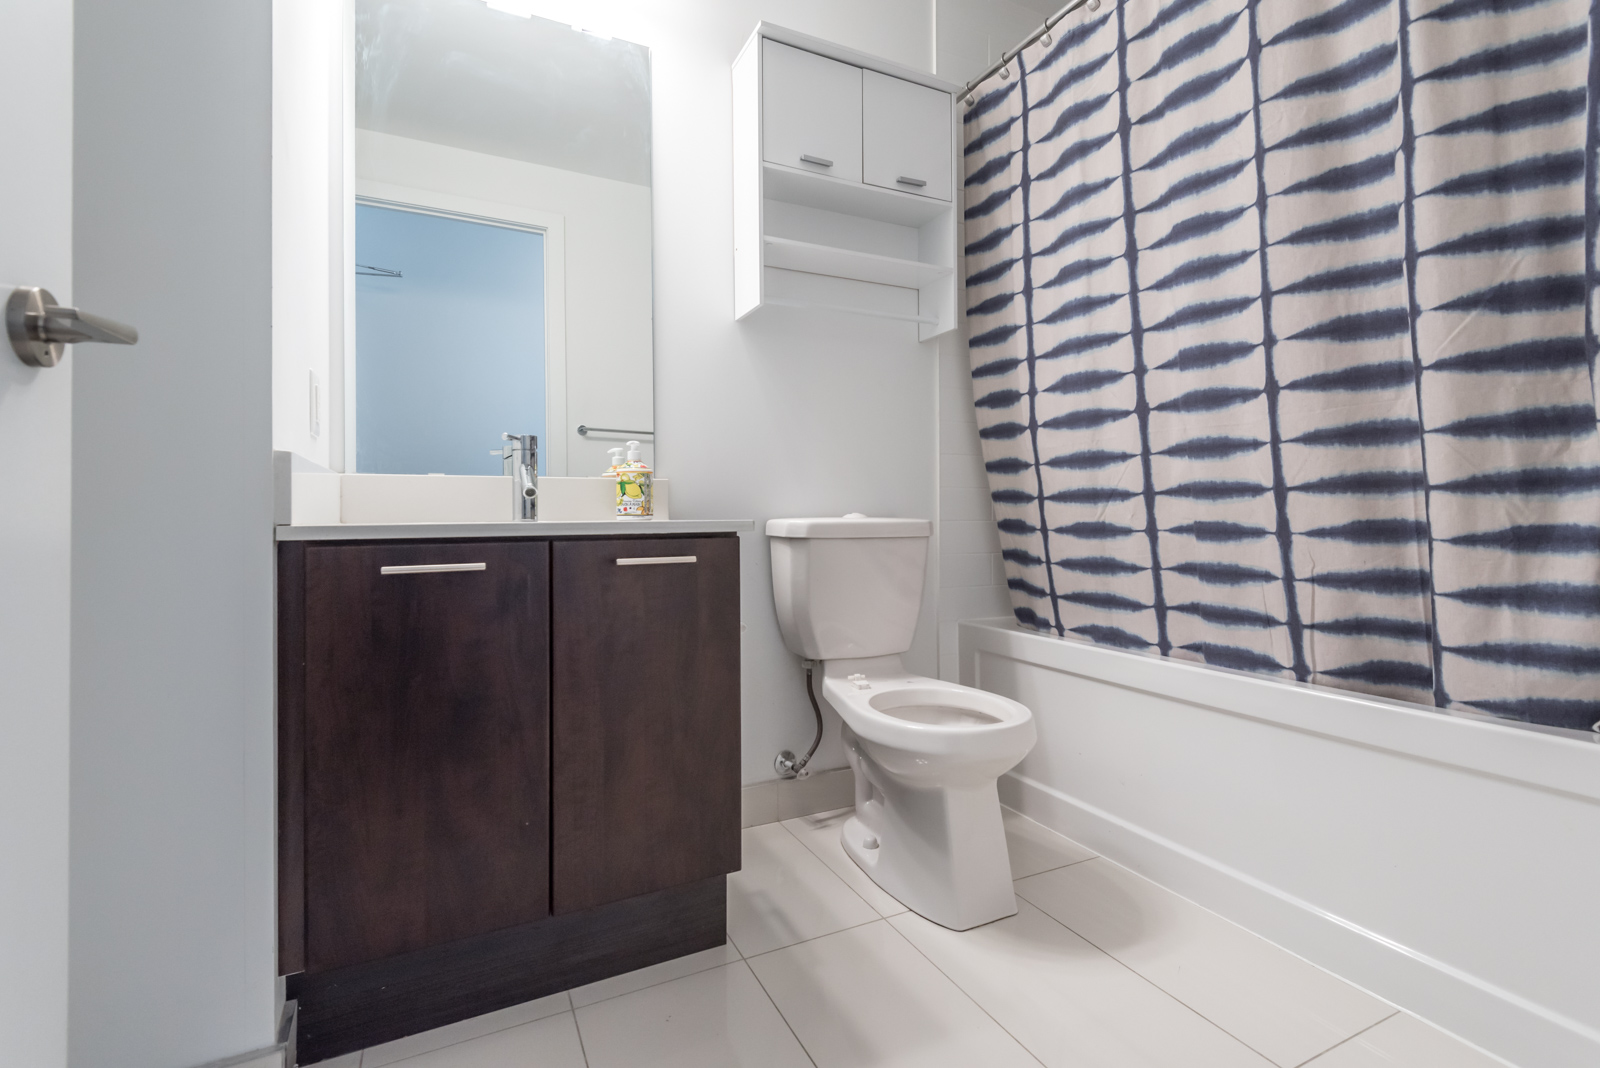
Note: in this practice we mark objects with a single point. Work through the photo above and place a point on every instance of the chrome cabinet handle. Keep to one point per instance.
(918, 182)
(40, 329)
(818, 160)
(423, 569)
(633, 561)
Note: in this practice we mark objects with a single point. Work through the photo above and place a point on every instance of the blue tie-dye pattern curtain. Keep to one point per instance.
(1282, 329)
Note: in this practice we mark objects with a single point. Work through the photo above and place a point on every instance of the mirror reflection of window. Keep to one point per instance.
(449, 341)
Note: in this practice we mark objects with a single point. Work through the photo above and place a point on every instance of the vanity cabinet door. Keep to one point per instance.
(426, 744)
(907, 136)
(645, 716)
(810, 112)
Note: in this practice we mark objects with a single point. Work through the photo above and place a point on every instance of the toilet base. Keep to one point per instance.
(940, 851)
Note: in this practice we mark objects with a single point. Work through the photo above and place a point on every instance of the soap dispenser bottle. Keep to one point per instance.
(634, 479)
(616, 462)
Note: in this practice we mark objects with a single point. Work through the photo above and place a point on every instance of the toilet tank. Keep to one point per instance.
(848, 587)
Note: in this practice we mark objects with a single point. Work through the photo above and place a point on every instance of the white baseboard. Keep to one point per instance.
(784, 799)
(1431, 989)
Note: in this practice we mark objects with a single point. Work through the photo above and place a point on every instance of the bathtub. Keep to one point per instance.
(1447, 863)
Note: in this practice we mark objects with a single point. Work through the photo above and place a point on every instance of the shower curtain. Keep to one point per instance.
(1282, 329)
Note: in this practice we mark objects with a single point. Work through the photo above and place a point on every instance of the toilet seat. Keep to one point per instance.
(935, 714)
(927, 730)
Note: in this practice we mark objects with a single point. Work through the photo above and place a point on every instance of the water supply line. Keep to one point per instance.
(785, 763)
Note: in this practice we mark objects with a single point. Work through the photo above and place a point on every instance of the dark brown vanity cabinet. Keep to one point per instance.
(427, 742)
(506, 767)
(646, 753)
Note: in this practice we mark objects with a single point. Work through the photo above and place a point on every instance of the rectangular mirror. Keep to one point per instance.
(502, 241)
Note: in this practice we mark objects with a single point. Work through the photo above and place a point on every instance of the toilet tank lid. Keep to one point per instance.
(850, 526)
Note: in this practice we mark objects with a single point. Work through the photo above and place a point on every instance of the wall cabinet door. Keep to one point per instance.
(426, 745)
(645, 707)
(906, 133)
(810, 112)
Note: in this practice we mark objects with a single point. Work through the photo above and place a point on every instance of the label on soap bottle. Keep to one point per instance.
(634, 492)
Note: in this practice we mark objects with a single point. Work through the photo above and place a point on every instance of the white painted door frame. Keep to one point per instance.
(36, 51)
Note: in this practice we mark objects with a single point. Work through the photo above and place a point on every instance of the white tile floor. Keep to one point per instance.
(1100, 968)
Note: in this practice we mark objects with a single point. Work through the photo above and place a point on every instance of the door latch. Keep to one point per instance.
(40, 329)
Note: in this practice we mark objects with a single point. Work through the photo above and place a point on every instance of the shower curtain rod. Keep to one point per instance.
(1007, 57)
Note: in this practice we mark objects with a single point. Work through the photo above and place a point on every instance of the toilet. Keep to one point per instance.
(926, 753)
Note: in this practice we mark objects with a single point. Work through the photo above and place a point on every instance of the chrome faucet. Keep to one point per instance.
(520, 459)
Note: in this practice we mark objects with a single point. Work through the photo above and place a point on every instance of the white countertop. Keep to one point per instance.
(541, 529)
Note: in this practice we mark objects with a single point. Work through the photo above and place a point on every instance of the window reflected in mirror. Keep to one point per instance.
(450, 343)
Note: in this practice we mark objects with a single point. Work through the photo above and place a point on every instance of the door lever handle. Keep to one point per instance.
(40, 329)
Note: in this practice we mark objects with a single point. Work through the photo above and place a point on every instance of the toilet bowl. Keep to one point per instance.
(926, 753)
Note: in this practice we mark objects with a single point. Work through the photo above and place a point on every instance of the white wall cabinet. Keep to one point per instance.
(905, 136)
(810, 112)
(844, 183)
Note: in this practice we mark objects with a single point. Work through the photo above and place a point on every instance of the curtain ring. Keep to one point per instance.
(1044, 39)
(1005, 72)
(1093, 5)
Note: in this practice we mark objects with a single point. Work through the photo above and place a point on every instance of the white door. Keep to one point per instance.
(35, 537)
(810, 112)
(907, 136)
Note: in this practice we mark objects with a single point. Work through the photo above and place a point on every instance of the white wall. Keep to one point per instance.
(606, 234)
(971, 34)
(972, 581)
(172, 917)
(308, 42)
(35, 535)
(1446, 863)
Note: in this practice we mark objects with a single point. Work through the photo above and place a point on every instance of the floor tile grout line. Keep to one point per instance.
(498, 1030)
(876, 915)
(861, 897)
(825, 934)
(835, 874)
(659, 982)
(1342, 1041)
(966, 993)
(1146, 979)
(774, 1003)
(1058, 867)
(1174, 996)
(576, 1027)
(1232, 923)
